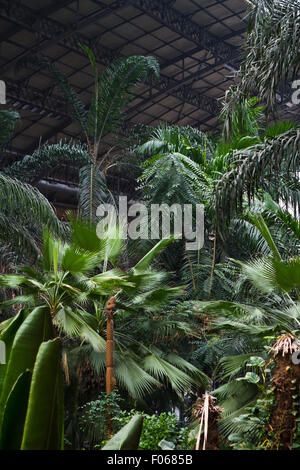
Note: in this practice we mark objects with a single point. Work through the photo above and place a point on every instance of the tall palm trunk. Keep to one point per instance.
(111, 304)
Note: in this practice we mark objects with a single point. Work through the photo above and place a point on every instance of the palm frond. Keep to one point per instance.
(8, 120)
(93, 191)
(74, 324)
(272, 49)
(252, 168)
(27, 205)
(47, 158)
(112, 92)
(75, 105)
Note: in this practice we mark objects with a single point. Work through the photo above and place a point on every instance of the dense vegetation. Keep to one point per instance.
(123, 344)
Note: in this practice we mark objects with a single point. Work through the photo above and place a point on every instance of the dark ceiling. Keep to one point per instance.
(197, 43)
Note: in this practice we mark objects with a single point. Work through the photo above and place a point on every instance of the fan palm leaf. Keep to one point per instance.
(252, 168)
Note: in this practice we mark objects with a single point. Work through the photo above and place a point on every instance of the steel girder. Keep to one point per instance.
(187, 28)
(158, 9)
(25, 97)
(49, 32)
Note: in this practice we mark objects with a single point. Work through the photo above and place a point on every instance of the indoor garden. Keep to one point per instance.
(151, 299)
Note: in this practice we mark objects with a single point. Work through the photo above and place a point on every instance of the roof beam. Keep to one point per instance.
(44, 12)
(180, 89)
(56, 32)
(35, 100)
(187, 28)
(49, 31)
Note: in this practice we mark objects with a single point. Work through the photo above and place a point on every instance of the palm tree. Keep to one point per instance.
(272, 49)
(141, 359)
(8, 119)
(270, 308)
(176, 166)
(65, 285)
(47, 158)
(271, 61)
(111, 94)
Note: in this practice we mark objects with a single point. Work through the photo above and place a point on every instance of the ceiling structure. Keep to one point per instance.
(197, 43)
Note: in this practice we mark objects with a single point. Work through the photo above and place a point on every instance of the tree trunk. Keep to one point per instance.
(286, 381)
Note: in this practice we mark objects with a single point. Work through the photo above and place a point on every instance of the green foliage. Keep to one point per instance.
(23, 210)
(32, 385)
(252, 167)
(156, 428)
(111, 93)
(162, 347)
(46, 400)
(250, 427)
(8, 120)
(50, 156)
(93, 418)
(128, 437)
(272, 54)
(241, 117)
(173, 172)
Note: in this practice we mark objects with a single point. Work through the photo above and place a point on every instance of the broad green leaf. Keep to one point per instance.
(256, 361)
(8, 334)
(44, 425)
(145, 262)
(15, 413)
(35, 329)
(128, 437)
(264, 230)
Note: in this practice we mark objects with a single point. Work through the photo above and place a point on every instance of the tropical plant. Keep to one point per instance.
(271, 307)
(207, 414)
(174, 170)
(23, 209)
(271, 61)
(93, 418)
(272, 55)
(111, 94)
(47, 158)
(141, 361)
(259, 168)
(8, 119)
(128, 437)
(156, 428)
(31, 384)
